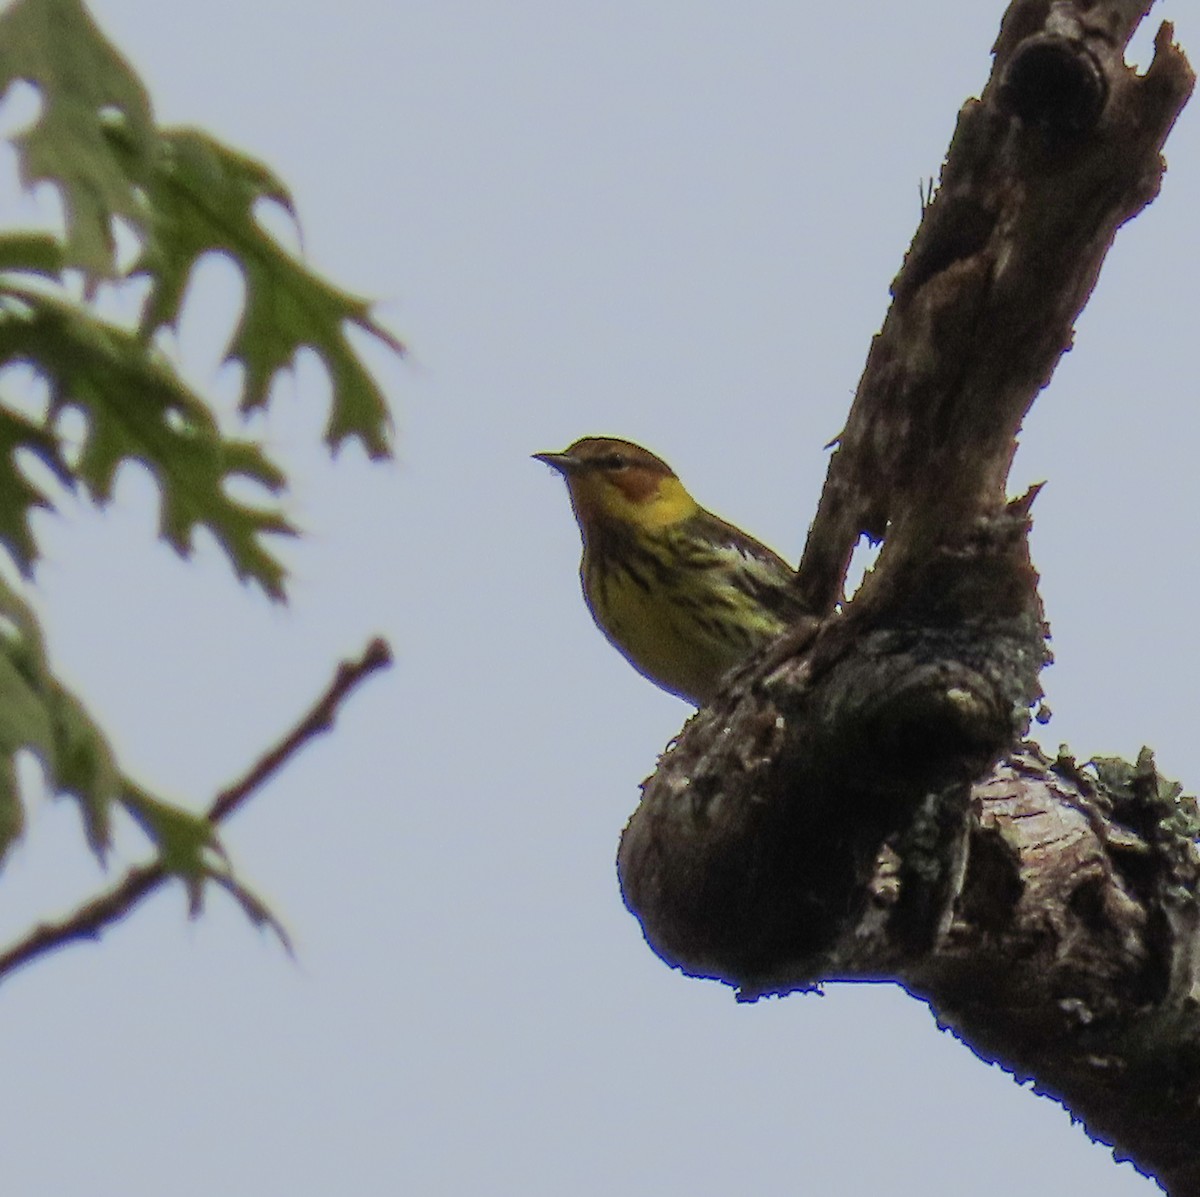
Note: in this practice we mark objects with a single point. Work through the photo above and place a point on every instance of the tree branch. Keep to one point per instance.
(859, 802)
(94, 917)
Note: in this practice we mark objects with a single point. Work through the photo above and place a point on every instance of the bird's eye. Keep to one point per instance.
(613, 461)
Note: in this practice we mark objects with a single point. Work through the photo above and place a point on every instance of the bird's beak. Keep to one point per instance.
(564, 463)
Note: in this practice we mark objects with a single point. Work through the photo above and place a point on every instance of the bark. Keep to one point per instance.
(860, 802)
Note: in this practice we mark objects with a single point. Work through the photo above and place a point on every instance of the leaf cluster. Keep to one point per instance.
(113, 396)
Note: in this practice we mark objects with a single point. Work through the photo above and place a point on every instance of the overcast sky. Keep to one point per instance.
(673, 222)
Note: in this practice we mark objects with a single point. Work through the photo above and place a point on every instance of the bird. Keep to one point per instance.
(683, 595)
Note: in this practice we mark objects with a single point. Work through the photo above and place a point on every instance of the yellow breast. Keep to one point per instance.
(682, 638)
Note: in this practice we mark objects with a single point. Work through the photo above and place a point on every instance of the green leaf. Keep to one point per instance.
(203, 196)
(87, 88)
(185, 195)
(188, 847)
(86, 767)
(185, 842)
(18, 495)
(37, 253)
(253, 907)
(12, 812)
(25, 721)
(136, 408)
(37, 714)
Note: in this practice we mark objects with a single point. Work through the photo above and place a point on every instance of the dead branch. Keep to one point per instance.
(859, 802)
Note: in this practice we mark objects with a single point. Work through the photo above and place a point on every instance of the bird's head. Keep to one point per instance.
(613, 480)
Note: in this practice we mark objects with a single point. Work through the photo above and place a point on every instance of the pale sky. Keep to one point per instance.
(676, 223)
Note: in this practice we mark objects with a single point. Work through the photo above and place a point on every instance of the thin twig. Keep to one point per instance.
(91, 919)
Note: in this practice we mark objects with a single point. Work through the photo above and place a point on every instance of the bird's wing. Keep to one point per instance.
(765, 576)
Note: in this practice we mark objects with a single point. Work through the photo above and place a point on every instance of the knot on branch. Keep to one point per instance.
(907, 711)
(1055, 82)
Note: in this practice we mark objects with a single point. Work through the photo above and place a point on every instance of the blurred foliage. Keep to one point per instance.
(180, 194)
